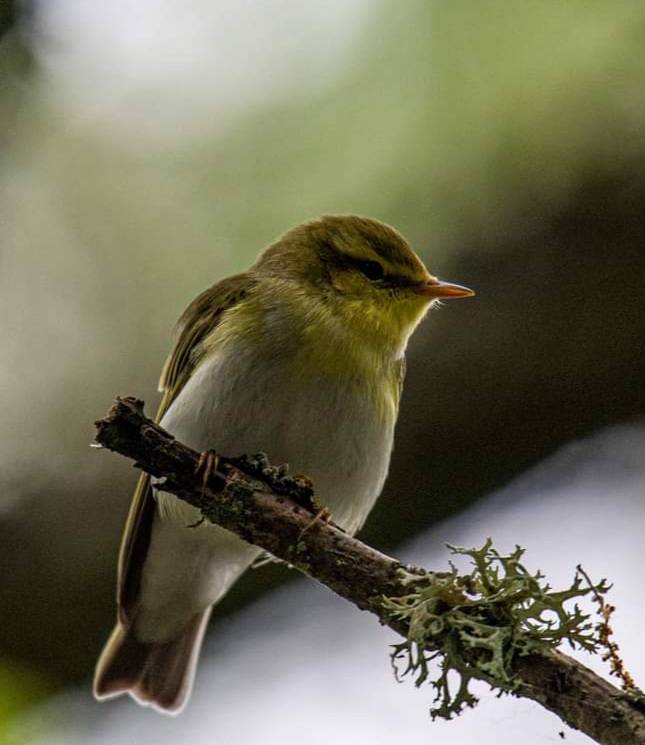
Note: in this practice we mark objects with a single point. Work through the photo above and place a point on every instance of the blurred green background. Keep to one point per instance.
(149, 149)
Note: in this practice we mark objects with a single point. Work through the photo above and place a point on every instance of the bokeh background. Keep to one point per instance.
(149, 148)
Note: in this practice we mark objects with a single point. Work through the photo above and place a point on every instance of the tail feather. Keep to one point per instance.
(159, 674)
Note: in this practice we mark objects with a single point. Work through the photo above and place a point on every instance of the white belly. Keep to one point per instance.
(331, 434)
(241, 402)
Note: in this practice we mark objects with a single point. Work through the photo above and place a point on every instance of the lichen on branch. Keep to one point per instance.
(473, 626)
(499, 623)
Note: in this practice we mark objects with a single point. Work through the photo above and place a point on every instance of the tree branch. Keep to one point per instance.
(266, 507)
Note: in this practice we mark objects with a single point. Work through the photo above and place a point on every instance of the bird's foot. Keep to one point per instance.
(207, 465)
(322, 516)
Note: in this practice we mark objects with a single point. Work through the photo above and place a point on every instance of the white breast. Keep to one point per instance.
(240, 401)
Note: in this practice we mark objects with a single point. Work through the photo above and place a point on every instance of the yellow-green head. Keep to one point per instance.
(362, 271)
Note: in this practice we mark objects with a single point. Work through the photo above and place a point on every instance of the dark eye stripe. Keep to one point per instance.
(373, 270)
(334, 257)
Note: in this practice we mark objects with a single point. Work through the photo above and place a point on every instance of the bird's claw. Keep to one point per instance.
(207, 465)
(323, 515)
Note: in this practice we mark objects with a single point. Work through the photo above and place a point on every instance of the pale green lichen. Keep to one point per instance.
(472, 626)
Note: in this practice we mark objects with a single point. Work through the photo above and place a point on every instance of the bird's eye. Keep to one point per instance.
(372, 270)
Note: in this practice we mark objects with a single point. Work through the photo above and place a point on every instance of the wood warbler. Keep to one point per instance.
(300, 357)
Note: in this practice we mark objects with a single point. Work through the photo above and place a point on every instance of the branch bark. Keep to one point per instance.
(272, 511)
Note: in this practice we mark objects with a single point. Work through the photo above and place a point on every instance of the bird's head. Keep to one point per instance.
(361, 270)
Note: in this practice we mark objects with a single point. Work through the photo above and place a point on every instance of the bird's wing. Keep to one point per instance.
(198, 321)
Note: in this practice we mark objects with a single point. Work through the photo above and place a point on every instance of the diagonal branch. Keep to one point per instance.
(271, 510)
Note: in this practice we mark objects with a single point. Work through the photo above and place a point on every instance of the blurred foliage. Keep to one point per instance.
(19, 687)
(505, 140)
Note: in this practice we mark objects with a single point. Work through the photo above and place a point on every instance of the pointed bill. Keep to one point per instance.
(435, 288)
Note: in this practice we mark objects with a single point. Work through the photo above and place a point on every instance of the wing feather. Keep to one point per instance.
(197, 322)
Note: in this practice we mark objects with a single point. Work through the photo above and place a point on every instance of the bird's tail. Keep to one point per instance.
(159, 674)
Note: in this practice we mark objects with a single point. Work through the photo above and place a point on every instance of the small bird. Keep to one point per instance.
(300, 357)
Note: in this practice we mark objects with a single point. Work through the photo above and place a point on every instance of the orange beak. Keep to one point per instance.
(435, 288)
